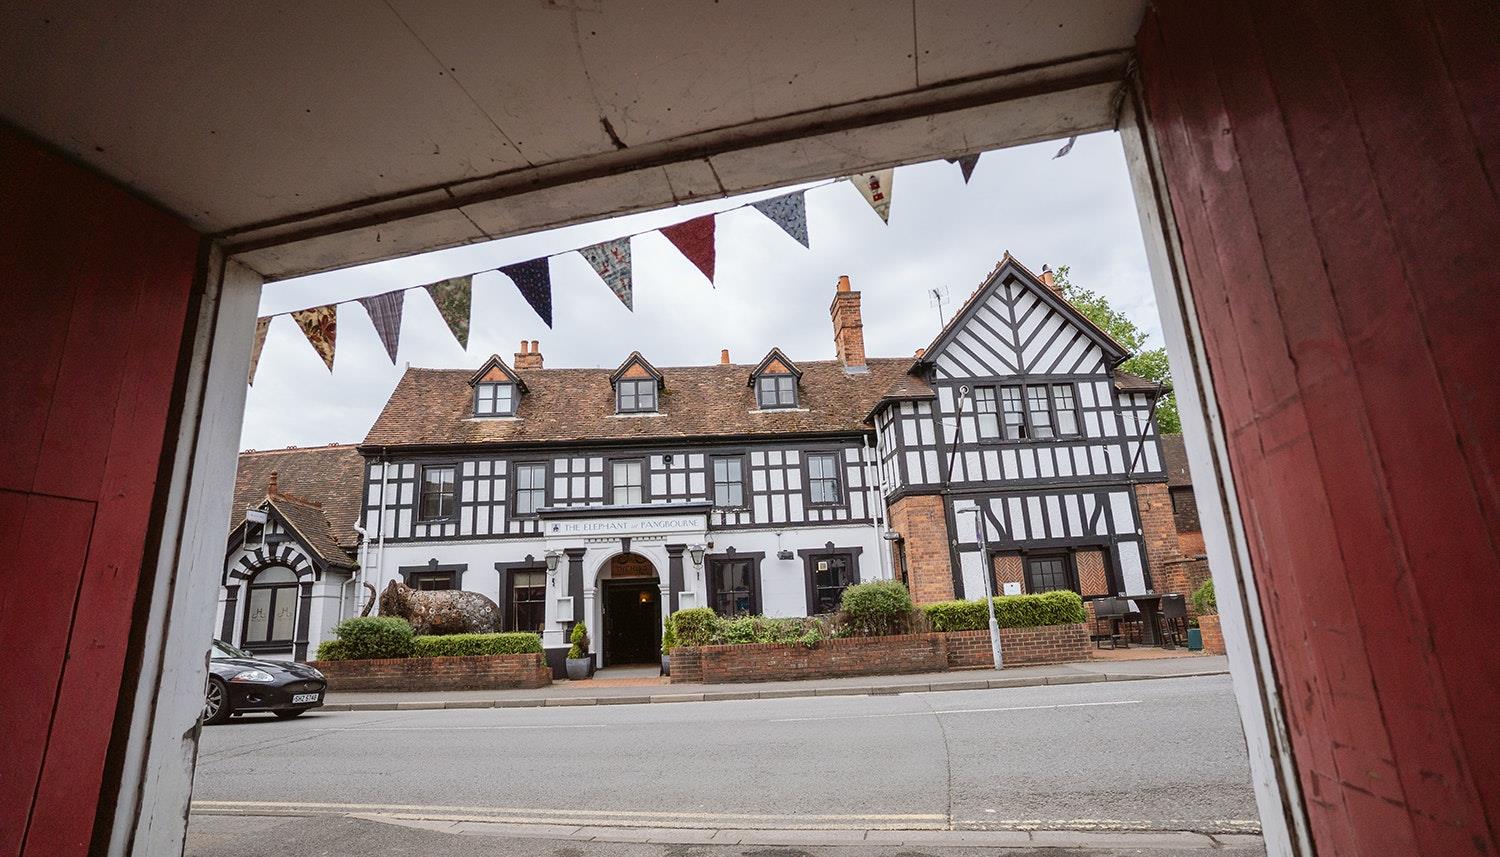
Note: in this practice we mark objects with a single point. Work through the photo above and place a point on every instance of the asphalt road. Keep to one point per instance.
(1161, 755)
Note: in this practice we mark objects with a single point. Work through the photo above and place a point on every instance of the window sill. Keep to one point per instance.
(633, 414)
(789, 409)
(493, 418)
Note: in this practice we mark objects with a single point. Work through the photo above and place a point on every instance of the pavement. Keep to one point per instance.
(1099, 767)
(637, 688)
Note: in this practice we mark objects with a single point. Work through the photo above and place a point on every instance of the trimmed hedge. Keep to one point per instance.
(696, 626)
(1011, 611)
(876, 608)
(466, 645)
(701, 626)
(1204, 601)
(367, 637)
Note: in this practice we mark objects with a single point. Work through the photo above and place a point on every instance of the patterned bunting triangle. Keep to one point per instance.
(451, 297)
(320, 325)
(262, 325)
(789, 211)
(611, 261)
(695, 240)
(966, 164)
(385, 314)
(534, 279)
(876, 189)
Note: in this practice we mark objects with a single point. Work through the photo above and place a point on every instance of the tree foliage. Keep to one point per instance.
(1150, 364)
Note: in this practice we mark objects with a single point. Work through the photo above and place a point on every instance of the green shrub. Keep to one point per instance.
(1204, 602)
(1011, 611)
(465, 645)
(580, 641)
(696, 626)
(332, 650)
(669, 637)
(876, 608)
(366, 637)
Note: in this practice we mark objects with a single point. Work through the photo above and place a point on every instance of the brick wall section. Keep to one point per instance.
(1191, 544)
(920, 520)
(1213, 635)
(1158, 527)
(1049, 644)
(1182, 575)
(481, 672)
(892, 655)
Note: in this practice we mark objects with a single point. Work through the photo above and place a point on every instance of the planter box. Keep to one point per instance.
(1213, 637)
(855, 656)
(478, 672)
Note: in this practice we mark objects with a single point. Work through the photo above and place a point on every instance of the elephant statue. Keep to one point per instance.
(442, 611)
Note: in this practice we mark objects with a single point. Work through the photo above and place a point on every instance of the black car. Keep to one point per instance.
(239, 683)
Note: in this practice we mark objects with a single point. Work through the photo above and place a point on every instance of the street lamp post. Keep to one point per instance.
(989, 592)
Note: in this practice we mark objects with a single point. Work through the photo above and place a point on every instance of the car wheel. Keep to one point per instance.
(288, 715)
(216, 702)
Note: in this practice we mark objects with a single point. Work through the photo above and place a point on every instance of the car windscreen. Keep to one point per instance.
(222, 649)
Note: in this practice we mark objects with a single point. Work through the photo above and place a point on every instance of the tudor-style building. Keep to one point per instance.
(614, 497)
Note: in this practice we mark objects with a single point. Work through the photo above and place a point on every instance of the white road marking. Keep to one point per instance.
(463, 728)
(955, 711)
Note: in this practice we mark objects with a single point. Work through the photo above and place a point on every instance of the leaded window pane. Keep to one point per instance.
(729, 485)
(823, 478)
(627, 483)
(1014, 413)
(531, 488)
(438, 499)
(733, 585)
(1065, 409)
(528, 600)
(987, 412)
(1041, 414)
(1045, 574)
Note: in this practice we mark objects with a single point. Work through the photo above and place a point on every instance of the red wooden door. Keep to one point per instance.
(96, 292)
(1332, 169)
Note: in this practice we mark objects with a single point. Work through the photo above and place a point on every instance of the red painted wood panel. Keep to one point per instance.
(1328, 173)
(102, 284)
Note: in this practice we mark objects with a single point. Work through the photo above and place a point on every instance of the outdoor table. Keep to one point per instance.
(1150, 606)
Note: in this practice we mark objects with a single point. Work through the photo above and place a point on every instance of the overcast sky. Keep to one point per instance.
(771, 291)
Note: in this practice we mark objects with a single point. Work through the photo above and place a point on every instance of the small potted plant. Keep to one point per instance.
(668, 642)
(580, 663)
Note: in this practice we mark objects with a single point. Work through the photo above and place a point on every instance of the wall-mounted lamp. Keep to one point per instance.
(553, 559)
(696, 554)
(891, 536)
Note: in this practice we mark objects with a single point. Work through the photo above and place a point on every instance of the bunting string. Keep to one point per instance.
(694, 238)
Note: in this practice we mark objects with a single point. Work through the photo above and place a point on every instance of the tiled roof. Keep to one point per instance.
(434, 407)
(332, 476)
(1126, 382)
(1174, 460)
(312, 525)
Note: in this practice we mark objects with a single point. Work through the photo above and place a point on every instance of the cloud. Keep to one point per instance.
(771, 291)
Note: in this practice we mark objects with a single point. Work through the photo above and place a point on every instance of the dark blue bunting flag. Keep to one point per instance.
(789, 211)
(534, 280)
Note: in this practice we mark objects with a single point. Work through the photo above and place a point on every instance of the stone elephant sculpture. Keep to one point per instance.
(443, 611)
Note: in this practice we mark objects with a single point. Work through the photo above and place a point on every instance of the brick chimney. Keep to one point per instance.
(1050, 281)
(724, 357)
(848, 327)
(529, 357)
(271, 485)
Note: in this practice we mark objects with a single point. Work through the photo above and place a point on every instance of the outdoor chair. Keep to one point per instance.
(1130, 621)
(1174, 625)
(1107, 612)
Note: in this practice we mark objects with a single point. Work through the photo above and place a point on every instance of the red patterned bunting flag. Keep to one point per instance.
(695, 240)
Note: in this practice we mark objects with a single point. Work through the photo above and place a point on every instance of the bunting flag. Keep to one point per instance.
(695, 240)
(451, 297)
(1067, 147)
(876, 189)
(262, 325)
(534, 279)
(966, 164)
(320, 325)
(385, 314)
(611, 261)
(789, 211)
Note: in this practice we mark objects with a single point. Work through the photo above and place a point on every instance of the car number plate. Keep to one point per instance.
(299, 698)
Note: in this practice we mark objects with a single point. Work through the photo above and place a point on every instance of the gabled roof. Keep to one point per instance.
(313, 529)
(432, 407)
(495, 369)
(774, 363)
(332, 477)
(904, 389)
(1009, 266)
(642, 369)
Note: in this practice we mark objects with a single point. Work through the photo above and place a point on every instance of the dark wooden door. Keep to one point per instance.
(632, 622)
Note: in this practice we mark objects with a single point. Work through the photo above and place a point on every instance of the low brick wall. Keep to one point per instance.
(1213, 636)
(1049, 644)
(479, 672)
(893, 655)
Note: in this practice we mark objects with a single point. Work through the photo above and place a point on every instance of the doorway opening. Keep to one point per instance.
(631, 611)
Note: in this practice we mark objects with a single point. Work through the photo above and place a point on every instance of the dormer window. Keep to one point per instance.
(775, 381)
(776, 391)
(494, 399)
(497, 388)
(638, 386)
(636, 397)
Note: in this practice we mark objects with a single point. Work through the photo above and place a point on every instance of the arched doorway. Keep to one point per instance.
(631, 610)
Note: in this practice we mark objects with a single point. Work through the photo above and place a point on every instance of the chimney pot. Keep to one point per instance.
(271, 486)
(920, 353)
(523, 347)
(843, 283)
(536, 347)
(530, 355)
(724, 356)
(1050, 281)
